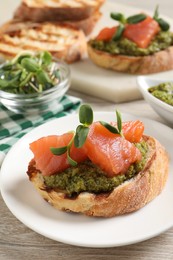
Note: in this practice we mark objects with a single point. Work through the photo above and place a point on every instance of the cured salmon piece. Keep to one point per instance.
(132, 130)
(112, 153)
(106, 34)
(46, 161)
(143, 32)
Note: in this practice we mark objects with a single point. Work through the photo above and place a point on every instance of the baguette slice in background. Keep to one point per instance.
(130, 196)
(57, 10)
(62, 41)
(157, 62)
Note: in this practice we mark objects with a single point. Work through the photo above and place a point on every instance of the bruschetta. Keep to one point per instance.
(139, 44)
(115, 171)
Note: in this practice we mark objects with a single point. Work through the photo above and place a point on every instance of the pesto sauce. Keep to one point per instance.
(164, 92)
(126, 47)
(88, 177)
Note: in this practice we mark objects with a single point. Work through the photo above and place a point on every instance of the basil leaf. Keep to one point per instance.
(136, 18)
(30, 65)
(118, 17)
(80, 136)
(119, 121)
(85, 115)
(118, 33)
(163, 24)
(109, 127)
(59, 151)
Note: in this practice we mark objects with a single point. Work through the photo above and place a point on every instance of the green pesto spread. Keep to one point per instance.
(88, 177)
(164, 92)
(126, 47)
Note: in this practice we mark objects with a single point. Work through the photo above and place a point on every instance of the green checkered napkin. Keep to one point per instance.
(14, 126)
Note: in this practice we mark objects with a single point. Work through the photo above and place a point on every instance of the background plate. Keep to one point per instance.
(27, 205)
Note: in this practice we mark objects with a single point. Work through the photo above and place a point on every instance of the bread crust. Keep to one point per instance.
(157, 62)
(63, 41)
(127, 197)
(67, 11)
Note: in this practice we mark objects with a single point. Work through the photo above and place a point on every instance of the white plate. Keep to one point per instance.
(27, 205)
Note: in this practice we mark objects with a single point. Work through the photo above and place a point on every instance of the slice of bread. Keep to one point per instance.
(127, 197)
(157, 62)
(62, 41)
(56, 10)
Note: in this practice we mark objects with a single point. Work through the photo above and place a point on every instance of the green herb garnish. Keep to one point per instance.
(163, 24)
(134, 19)
(82, 130)
(29, 73)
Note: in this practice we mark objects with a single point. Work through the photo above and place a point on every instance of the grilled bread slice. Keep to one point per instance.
(157, 62)
(57, 10)
(130, 196)
(62, 41)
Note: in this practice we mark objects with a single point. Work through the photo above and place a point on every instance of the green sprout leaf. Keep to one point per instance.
(118, 33)
(70, 160)
(59, 151)
(80, 136)
(42, 77)
(109, 127)
(118, 17)
(119, 121)
(163, 24)
(30, 64)
(46, 58)
(156, 13)
(136, 18)
(85, 115)
(113, 129)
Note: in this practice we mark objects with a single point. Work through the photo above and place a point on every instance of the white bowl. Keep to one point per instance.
(161, 108)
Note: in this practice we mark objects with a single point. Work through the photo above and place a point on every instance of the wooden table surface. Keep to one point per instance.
(19, 242)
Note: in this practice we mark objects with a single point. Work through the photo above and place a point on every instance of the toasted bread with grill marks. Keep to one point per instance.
(127, 197)
(61, 40)
(57, 10)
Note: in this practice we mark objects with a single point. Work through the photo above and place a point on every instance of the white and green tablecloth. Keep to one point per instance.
(14, 126)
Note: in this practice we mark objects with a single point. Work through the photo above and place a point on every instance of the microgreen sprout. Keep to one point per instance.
(29, 73)
(163, 24)
(113, 129)
(82, 130)
(80, 135)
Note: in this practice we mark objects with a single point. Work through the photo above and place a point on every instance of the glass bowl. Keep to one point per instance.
(161, 108)
(39, 102)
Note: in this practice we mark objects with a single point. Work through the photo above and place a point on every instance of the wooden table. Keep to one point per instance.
(19, 242)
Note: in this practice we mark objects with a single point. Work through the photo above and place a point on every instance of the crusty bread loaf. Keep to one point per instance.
(59, 10)
(127, 197)
(62, 41)
(157, 62)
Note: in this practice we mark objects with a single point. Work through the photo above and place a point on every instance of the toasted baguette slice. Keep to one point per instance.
(157, 62)
(62, 41)
(56, 10)
(127, 197)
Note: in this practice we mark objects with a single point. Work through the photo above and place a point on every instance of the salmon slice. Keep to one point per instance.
(132, 130)
(143, 32)
(111, 152)
(106, 34)
(46, 161)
